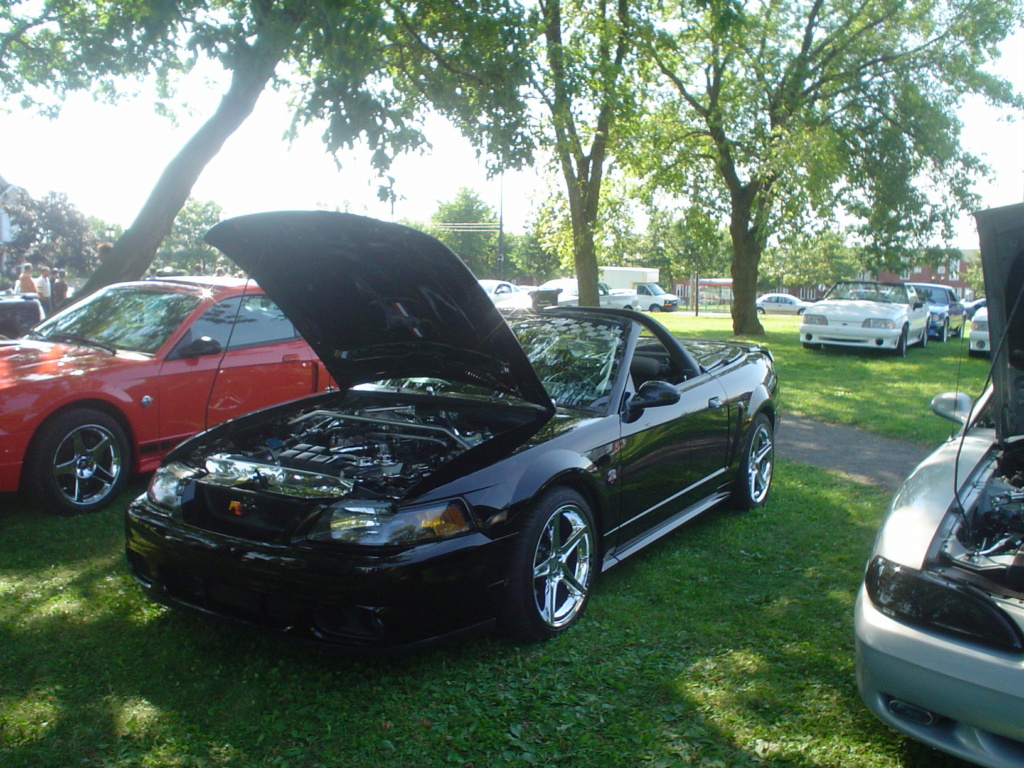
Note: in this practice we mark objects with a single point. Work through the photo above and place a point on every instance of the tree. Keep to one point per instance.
(785, 116)
(532, 259)
(364, 68)
(820, 259)
(584, 84)
(184, 247)
(469, 227)
(50, 232)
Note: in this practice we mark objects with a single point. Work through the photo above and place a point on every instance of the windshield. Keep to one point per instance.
(932, 295)
(655, 289)
(134, 319)
(889, 293)
(577, 359)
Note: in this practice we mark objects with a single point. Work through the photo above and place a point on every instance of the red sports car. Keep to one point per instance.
(112, 383)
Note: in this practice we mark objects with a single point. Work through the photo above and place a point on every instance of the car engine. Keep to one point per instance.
(377, 451)
(989, 541)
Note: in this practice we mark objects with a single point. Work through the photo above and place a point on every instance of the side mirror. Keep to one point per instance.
(200, 347)
(652, 394)
(955, 406)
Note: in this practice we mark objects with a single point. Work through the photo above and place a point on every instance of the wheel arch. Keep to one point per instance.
(93, 404)
(576, 476)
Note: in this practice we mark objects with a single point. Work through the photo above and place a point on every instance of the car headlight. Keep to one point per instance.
(979, 325)
(379, 523)
(166, 484)
(879, 322)
(809, 319)
(933, 603)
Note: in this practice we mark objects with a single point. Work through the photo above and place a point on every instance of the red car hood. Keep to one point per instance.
(28, 361)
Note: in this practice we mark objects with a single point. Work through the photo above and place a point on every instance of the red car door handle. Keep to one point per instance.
(289, 358)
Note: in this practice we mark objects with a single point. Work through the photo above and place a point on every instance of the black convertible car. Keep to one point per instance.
(473, 470)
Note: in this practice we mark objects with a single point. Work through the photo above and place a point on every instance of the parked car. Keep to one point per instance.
(946, 315)
(940, 616)
(471, 472)
(970, 307)
(622, 298)
(499, 290)
(18, 313)
(868, 315)
(110, 384)
(654, 298)
(978, 342)
(782, 304)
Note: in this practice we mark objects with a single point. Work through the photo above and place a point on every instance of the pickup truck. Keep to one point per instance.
(623, 298)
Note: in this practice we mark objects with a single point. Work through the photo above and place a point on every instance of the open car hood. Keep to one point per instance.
(1001, 234)
(378, 300)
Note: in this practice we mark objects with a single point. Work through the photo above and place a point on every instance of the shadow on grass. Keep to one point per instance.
(728, 644)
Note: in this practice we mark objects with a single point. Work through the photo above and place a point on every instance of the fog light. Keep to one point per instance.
(359, 622)
(914, 714)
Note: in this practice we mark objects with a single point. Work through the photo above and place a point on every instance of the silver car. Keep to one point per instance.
(940, 616)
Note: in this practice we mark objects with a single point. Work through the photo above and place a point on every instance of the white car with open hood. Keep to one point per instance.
(939, 619)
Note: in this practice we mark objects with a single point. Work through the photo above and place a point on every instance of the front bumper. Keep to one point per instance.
(850, 336)
(954, 696)
(348, 598)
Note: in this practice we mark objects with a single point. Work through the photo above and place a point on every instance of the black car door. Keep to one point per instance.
(672, 457)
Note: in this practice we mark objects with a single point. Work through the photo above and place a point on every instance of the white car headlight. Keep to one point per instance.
(809, 319)
(165, 487)
(879, 322)
(379, 523)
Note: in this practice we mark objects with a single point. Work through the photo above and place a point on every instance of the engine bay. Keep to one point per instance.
(989, 540)
(375, 451)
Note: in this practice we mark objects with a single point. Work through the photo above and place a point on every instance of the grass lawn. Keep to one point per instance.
(863, 388)
(728, 644)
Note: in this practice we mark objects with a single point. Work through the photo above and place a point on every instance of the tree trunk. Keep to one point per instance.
(135, 250)
(746, 256)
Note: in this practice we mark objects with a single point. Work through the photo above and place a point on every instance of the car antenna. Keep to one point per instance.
(224, 352)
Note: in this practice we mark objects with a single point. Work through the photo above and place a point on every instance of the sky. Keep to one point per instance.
(107, 159)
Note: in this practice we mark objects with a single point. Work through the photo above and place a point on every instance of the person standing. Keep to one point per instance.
(60, 289)
(44, 289)
(25, 282)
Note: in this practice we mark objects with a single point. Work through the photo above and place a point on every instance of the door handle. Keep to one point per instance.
(289, 358)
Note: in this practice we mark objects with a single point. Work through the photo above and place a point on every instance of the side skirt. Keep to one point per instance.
(662, 530)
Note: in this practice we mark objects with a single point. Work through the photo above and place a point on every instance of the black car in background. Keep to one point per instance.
(18, 313)
(473, 471)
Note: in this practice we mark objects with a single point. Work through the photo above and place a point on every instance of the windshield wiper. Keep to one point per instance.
(79, 338)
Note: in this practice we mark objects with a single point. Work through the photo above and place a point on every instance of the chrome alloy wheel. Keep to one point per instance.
(562, 566)
(87, 464)
(760, 463)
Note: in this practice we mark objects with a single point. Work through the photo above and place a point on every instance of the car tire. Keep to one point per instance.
(78, 462)
(552, 568)
(757, 465)
(901, 345)
(924, 337)
(760, 310)
(944, 333)
(655, 308)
